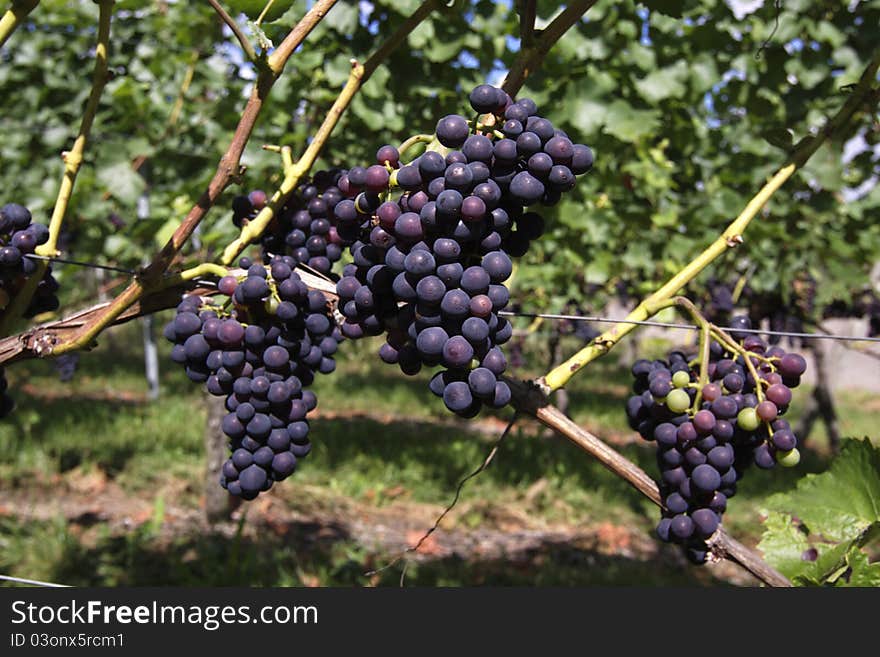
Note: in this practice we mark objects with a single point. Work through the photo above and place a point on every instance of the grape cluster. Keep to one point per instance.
(706, 437)
(261, 350)
(304, 228)
(432, 242)
(18, 239)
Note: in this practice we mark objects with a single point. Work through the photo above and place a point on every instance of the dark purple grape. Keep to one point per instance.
(526, 188)
(452, 131)
(681, 527)
(704, 422)
(581, 159)
(457, 396)
(478, 148)
(484, 98)
(457, 352)
(792, 366)
(388, 155)
(482, 382)
(705, 522)
(706, 478)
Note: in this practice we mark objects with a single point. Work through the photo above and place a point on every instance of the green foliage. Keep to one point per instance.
(838, 513)
(253, 8)
(687, 123)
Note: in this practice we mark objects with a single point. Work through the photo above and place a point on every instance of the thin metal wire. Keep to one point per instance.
(20, 580)
(689, 327)
(576, 318)
(91, 265)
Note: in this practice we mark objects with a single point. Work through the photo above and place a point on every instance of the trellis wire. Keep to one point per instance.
(19, 580)
(90, 265)
(576, 318)
(688, 327)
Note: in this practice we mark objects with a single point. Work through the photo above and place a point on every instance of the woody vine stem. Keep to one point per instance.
(154, 280)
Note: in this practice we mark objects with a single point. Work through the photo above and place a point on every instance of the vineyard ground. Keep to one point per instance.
(101, 487)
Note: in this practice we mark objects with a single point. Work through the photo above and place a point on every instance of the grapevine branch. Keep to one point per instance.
(293, 173)
(530, 57)
(73, 158)
(531, 400)
(41, 340)
(730, 238)
(243, 41)
(298, 34)
(72, 161)
(61, 336)
(228, 167)
(14, 17)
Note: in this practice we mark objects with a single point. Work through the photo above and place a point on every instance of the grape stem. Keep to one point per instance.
(734, 347)
(204, 269)
(72, 161)
(530, 399)
(705, 328)
(705, 343)
(243, 41)
(14, 16)
(730, 238)
(263, 13)
(413, 141)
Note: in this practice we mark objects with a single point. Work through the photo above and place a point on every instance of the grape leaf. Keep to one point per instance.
(663, 83)
(841, 503)
(343, 18)
(780, 137)
(786, 547)
(863, 572)
(122, 181)
(629, 124)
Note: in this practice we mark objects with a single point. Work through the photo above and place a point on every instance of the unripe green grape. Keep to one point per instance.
(788, 459)
(680, 379)
(678, 401)
(748, 419)
(271, 305)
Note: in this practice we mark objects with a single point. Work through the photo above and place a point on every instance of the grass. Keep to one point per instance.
(381, 439)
